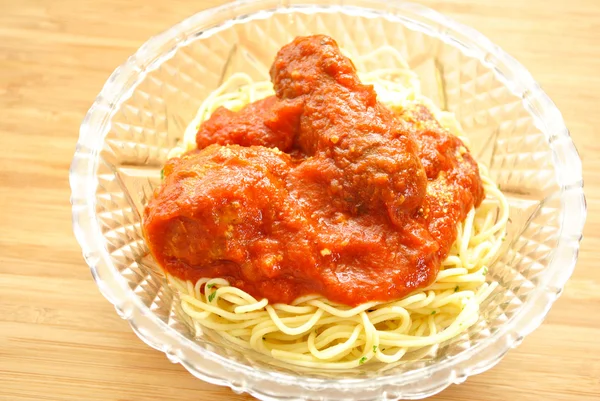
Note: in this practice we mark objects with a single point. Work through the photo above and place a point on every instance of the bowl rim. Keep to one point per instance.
(124, 80)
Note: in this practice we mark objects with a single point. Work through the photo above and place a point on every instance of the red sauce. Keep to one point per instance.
(319, 189)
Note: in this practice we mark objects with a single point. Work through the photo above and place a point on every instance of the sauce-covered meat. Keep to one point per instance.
(267, 122)
(454, 184)
(361, 151)
(365, 208)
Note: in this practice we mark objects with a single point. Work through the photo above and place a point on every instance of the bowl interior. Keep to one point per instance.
(505, 135)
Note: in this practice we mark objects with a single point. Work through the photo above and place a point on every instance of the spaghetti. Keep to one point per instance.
(316, 333)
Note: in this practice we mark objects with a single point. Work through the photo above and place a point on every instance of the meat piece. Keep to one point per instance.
(370, 158)
(454, 185)
(225, 212)
(267, 122)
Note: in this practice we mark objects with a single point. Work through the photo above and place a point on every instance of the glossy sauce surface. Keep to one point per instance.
(317, 190)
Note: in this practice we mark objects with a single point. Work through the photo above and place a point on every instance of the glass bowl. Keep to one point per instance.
(513, 126)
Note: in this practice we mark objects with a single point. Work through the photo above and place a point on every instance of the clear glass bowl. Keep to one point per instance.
(513, 126)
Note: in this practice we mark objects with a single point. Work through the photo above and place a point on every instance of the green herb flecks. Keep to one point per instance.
(162, 174)
(433, 312)
(212, 296)
(456, 289)
(485, 271)
(209, 286)
(374, 348)
(362, 360)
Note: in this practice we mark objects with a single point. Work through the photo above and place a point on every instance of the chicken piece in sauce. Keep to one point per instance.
(361, 205)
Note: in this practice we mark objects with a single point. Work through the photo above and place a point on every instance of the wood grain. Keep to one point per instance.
(60, 340)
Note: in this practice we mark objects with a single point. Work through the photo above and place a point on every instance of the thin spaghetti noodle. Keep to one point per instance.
(314, 332)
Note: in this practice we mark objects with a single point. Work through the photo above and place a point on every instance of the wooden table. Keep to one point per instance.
(61, 340)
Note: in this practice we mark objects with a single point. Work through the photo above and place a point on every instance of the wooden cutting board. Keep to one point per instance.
(61, 340)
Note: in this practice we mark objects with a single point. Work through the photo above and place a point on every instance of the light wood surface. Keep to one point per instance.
(61, 340)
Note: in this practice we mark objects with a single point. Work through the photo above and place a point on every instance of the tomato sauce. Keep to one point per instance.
(319, 189)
